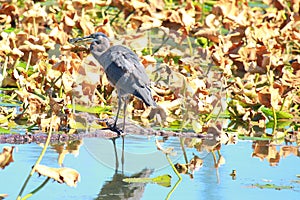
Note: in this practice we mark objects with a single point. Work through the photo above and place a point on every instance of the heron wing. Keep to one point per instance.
(124, 70)
(129, 62)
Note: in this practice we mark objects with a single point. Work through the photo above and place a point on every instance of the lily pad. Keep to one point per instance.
(273, 186)
(163, 180)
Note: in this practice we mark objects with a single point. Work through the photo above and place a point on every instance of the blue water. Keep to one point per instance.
(100, 180)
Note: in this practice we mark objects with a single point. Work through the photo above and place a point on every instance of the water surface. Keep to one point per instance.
(101, 175)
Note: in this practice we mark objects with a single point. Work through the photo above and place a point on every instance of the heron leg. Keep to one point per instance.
(116, 154)
(123, 155)
(123, 141)
(124, 112)
(119, 107)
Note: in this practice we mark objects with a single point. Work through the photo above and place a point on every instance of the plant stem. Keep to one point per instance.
(281, 107)
(4, 73)
(275, 120)
(174, 169)
(190, 45)
(28, 61)
(35, 28)
(149, 43)
(183, 149)
(36, 190)
(178, 175)
(38, 160)
(115, 17)
(173, 189)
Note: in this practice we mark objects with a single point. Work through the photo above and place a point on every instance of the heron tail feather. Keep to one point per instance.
(145, 95)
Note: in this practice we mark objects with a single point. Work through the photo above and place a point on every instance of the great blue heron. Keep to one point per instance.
(122, 68)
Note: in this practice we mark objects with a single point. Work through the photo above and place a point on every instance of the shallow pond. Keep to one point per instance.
(101, 175)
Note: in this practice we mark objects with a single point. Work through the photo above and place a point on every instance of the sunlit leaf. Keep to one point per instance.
(273, 186)
(93, 109)
(61, 175)
(163, 180)
(280, 123)
(254, 138)
(4, 130)
(168, 151)
(196, 126)
(71, 147)
(6, 157)
(279, 114)
(3, 196)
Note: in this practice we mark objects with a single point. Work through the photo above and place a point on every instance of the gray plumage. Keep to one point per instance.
(122, 68)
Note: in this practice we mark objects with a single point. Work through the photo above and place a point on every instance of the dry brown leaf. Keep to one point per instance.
(86, 25)
(173, 20)
(58, 35)
(187, 18)
(36, 105)
(279, 4)
(182, 168)
(269, 97)
(167, 151)
(2, 196)
(87, 78)
(288, 150)
(157, 5)
(273, 156)
(208, 33)
(6, 157)
(260, 149)
(60, 66)
(195, 163)
(61, 175)
(9, 10)
(71, 147)
(106, 28)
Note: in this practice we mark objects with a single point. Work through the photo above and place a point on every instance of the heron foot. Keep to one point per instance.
(113, 128)
(119, 132)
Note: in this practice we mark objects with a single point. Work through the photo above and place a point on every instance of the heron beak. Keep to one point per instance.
(81, 40)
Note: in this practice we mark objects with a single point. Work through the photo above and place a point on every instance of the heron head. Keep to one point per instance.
(99, 41)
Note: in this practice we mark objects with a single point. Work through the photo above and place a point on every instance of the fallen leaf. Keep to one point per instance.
(6, 156)
(269, 97)
(2, 196)
(195, 163)
(62, 175)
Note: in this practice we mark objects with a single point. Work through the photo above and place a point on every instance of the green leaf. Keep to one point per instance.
(163, 180)
(202, 41)
(280, 114)
(94, 109)
(4, 131)
(280, 123)
(4, 119)
(253, 138)
(11, 29)
(8, 89)
(273, 186)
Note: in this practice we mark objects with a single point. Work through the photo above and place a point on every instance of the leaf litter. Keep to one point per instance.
(231, 59)
(226, 59)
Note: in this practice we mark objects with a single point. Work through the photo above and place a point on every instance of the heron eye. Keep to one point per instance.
(98, 42)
